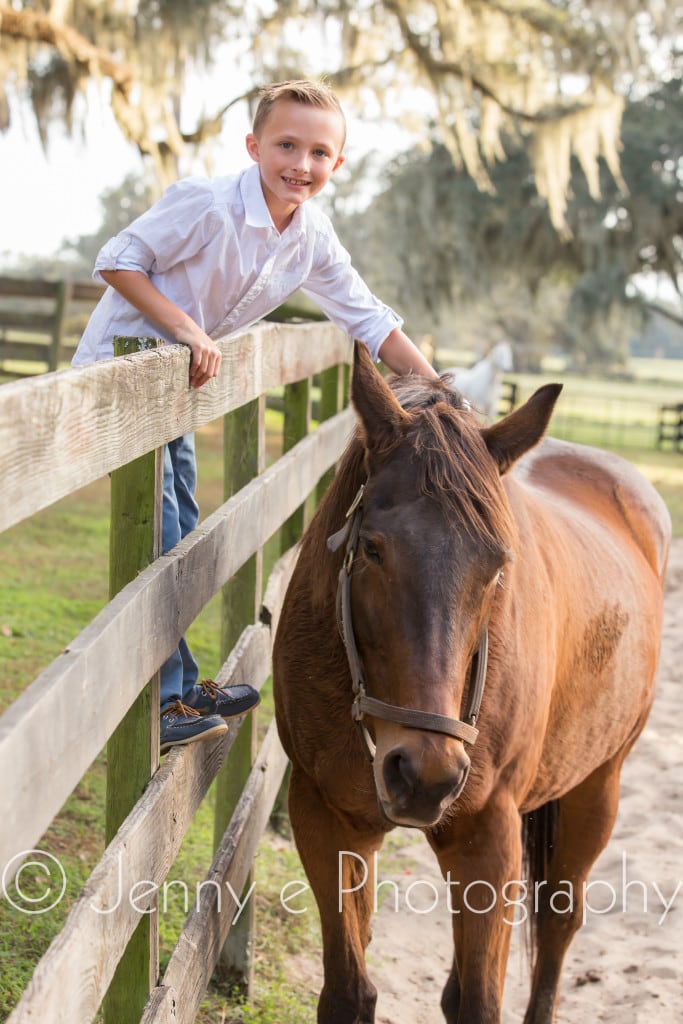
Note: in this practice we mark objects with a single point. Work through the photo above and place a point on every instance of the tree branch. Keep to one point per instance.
(669, 314)
(437, 68)
(211, 126)
(32, 27)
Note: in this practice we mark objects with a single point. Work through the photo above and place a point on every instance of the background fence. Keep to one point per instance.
(41, 322)
(59, 432)
(614, 412)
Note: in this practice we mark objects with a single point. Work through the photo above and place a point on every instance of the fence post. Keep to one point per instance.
(133, 748)
(64, 289)
(243, 459)
(331, 402)
(296, 424)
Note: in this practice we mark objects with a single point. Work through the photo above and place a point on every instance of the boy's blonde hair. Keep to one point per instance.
(313, 94)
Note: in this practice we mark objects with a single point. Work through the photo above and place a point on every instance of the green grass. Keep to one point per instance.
(611, 406)
(667, 373)
(55, 580)
(75, 838)
(276, 997)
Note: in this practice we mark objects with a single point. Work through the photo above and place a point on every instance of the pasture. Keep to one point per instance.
(51, 589)
(54, 582)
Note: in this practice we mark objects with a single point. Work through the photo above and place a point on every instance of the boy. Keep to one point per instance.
(213, 257)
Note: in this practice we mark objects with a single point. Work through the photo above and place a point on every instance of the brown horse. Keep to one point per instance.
(558, 564)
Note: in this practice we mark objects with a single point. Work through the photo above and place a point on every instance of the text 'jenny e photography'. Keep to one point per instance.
(35, 882)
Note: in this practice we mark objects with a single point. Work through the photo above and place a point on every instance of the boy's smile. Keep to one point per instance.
(298, 150)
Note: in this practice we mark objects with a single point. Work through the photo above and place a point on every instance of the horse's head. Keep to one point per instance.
(435, 533)
(501, 357)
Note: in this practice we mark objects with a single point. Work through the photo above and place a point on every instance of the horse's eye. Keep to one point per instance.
(371, 551)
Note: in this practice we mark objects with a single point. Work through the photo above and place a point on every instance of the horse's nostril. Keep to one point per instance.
(404, 784)
(399, 774)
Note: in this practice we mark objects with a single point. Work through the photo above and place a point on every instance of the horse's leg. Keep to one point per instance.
(586, 819)
(338, 858)
(479, 857)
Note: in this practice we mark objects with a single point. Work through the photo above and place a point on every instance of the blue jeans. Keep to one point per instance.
(180, 516)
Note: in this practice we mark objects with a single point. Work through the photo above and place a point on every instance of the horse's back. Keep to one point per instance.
(606, 486)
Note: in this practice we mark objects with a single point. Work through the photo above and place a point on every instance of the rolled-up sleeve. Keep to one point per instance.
(345, 298)
(174, 230)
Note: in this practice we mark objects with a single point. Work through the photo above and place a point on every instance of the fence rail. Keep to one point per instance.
(41, 321)
(58, 432)
(670, 426)
(606, 412)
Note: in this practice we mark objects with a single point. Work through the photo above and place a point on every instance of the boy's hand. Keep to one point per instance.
(206, 356)
(137, 289)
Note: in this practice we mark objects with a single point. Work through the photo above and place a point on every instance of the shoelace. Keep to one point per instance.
(180, 710)
(210, 689)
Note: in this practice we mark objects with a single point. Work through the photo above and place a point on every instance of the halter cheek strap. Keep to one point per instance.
(362, 704)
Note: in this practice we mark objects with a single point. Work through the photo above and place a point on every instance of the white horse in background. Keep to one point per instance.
(481, 383)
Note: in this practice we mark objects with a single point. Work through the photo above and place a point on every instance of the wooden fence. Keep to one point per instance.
(670, 426)
(58, 432)
(41, 322)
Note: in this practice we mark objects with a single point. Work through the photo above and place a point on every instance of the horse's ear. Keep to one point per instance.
(509, 439)
(380, 413)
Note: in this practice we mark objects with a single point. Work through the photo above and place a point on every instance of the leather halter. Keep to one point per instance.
(362, 704)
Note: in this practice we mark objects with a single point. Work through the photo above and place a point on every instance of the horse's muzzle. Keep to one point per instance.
(414, 790)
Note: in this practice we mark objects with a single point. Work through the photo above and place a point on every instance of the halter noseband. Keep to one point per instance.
(362, 704)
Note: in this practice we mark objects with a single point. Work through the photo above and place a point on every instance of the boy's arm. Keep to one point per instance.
(136, 288)
(402, 356)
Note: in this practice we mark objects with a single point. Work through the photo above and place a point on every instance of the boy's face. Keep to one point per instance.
(298, 149)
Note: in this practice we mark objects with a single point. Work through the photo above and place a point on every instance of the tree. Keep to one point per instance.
(460, 263)
(482, 75)
(120, 206)
(145, 50)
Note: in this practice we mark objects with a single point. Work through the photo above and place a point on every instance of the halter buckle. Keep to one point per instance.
(356, 501)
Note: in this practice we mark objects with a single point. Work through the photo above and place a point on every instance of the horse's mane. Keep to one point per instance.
(443, 439)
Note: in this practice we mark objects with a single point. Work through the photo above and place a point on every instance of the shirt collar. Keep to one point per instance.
(256, 210)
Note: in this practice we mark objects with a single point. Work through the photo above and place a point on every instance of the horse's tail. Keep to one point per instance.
(539, 836)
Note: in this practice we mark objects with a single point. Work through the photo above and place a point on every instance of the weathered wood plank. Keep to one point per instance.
(73, 975)
(32, 287)
(124, 645)
(278, 581)
(192, 961)
(27, 320)
(86, 291)
(71, 979)
(161, 1007)
(244, 457)
(25, 351)
(60, 431)
(20, 287)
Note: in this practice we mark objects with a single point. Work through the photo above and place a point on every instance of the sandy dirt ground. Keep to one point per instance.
(626, 964)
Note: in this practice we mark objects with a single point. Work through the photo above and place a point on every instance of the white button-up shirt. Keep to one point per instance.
(211, 247)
